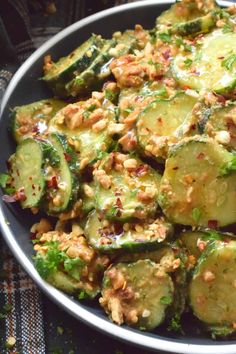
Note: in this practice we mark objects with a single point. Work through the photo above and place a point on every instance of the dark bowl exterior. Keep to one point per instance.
(15, 224)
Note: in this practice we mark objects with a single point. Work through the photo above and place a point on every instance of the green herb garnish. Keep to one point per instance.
(166, 300)
(229, 62)
(228, 28)
(55, 258)
(196, 214)
(4, 178)
(165, 37)
(228, 167)
(188, 62)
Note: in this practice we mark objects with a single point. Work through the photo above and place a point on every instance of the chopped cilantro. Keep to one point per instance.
(79, 81)
(110, 95)
(166, 300)
(156, 65)
(165, 37)
(134, 192)
(83, 295)
(229, 166)
(128, 110)
(92, 107)
(106, 282)
(188, 62)
(227, 28)
(3, 180)
(220, 331)
(198, 56)
(229, 62)
(179, 42)
(211, 236)
(69, 263)
(9, 190)
(54, 258)
(175, 324)
(196, 214)
(101, 154)
(188, 47)
(161, 92)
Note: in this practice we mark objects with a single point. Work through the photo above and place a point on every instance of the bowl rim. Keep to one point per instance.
(151, 342)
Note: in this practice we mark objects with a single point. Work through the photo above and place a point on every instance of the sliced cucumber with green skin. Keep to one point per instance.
(154, 256)
(219, 121)
(139, 237)
(126, 43)
(197, 187)
(141, 297)
(67, 67)
(212, 290)
(189, 240)
(158, 123)
(89, 143)
(27, 170)
(62, 182)
(212, 66)
(195, 241)
(199, 25)
(131, 194)
(32, 119)
(63, 282)
(94, 75)
(184, 11)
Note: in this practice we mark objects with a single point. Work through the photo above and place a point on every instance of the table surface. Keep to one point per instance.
(78, 336)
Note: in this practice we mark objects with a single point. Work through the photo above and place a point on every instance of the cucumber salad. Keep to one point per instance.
(131, 171)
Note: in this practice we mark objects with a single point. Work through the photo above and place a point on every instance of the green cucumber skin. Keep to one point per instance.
(214, 257)
(92, 46)
(46, 149)
(123, 242)
(92, 77)
(72, 166)
(31, 109)
(196, 26)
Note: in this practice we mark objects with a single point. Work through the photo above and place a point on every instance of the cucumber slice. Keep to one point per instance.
(195, 242)
(127, 195)
(219, 122)
(196, 188)
(137, 294)
(138, 237)
(77, 122)
(199, 25)
(94, 75)
(61, 72)
(126, 43)
(158, 123)
(66, 261)
(156, 256)
(184, 11)
(211, 65)
(212, 290)
(190, 239)
(63, 282)
(61, 194)
(27, 170)
(32, 119)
